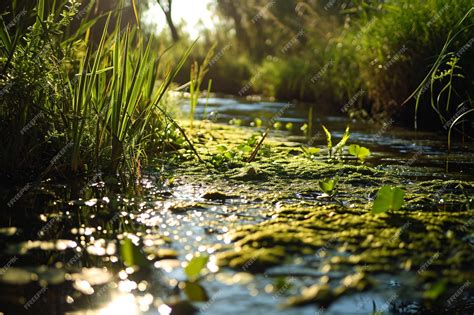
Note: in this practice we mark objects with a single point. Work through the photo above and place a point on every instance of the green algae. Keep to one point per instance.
(344, 236)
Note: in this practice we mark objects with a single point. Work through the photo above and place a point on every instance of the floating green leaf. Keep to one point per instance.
(328, 185)
(359, 152)
(235, 122)
(195, 266)
(229, 155)
(388, 198)
(258, 122)
(244, 148)
(221, 148)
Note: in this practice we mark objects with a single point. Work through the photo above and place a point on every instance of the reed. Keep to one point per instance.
(106, 106)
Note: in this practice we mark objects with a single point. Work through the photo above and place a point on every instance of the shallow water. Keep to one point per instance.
(80, 225)
(391, 144)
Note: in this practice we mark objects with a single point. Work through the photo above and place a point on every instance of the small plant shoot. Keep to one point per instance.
(328, 140)
(310, 152)
(337, 150)
(328, 185)
(361, 153)
(388, 199)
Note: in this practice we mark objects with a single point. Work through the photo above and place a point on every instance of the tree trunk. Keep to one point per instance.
(166, 7)
(174, 31)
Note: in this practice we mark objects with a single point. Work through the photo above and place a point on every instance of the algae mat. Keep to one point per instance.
(426, 246)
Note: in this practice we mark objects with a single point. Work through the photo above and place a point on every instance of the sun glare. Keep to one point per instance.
(122, 305)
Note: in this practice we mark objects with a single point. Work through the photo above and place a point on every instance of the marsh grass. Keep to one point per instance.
(384, 49)
(444, 70)
(106, 102)
(32, 86)
(125, 99)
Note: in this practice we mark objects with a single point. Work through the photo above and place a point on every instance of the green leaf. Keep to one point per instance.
(137, 14)
(304, 128)
(338, 148)
(258, 122)
(253, 140)
(132, 255)
(244, 148)
(4, 36)
(235, 122)
(328, 185)
(310, 151)
(359, 152)
(435, 290)
(388, 198)
(195, 292)
(195, 266)
(229, 155)
(221, 148)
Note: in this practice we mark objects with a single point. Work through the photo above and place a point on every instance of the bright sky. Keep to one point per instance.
(189, 11)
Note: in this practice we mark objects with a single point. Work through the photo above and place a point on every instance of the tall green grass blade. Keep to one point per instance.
(340, 146)
(209, 86)
(328, 140)
(5, 37)
(420, 89)
(137, 14)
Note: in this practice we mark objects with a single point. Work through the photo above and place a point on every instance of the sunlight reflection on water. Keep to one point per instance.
(121, 305)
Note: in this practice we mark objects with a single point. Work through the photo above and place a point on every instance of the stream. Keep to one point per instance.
(59, 244)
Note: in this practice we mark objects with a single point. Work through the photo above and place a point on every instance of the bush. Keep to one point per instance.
(375, 59)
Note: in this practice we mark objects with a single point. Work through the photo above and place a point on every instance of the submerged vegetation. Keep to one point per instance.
(130, 187)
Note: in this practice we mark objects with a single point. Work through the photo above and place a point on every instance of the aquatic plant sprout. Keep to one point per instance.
(361, 153)
(328, 185)
(388, 199)
(336, 151)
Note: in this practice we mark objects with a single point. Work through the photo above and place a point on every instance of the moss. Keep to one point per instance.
(341, 232)
(253, 259)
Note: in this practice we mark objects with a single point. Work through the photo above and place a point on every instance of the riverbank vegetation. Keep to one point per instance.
(363, 58)
(71, 105)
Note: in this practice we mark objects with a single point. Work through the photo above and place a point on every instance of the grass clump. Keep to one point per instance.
(101, 106)
(375, 55)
